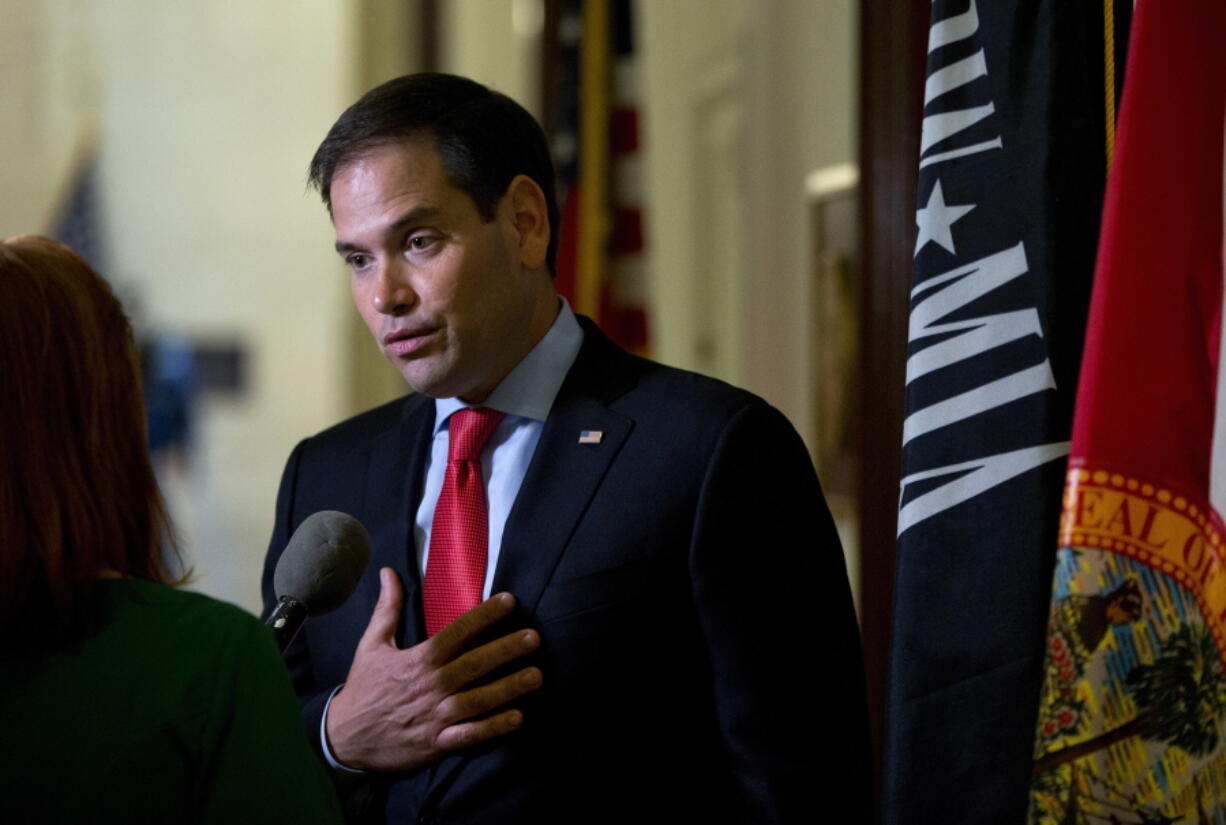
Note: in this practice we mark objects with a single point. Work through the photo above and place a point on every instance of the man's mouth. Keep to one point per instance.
(403, 342)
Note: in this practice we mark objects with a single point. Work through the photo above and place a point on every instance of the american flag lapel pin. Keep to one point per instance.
(590, 436)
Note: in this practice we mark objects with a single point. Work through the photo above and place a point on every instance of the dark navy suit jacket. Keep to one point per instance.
(699, 646)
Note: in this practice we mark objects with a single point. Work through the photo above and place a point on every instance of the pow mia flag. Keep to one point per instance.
(1018, 110)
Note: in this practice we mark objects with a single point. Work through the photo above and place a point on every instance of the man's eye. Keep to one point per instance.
(357, 261)
(420, 242)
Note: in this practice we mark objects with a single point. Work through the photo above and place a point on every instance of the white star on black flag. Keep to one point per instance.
(936, 219)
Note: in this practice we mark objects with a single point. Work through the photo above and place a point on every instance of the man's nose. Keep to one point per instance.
(392, 294)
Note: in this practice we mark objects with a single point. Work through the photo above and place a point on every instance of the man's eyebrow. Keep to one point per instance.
(417, 214)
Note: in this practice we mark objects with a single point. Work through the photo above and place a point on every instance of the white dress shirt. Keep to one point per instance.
(526, 396)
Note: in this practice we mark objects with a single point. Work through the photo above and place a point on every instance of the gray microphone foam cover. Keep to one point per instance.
(323, 561)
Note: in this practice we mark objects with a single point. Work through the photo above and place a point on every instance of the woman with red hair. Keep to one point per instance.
(121, 698)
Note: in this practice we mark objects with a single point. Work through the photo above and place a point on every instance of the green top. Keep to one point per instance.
(178, 709)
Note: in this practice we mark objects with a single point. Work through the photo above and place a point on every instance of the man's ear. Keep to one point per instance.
(531, 219)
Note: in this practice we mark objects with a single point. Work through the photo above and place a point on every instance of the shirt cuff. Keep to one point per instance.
(323, 739)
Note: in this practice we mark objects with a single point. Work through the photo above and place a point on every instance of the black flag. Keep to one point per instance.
(1018, 117)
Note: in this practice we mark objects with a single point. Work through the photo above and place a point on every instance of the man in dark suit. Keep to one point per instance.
(672, 636)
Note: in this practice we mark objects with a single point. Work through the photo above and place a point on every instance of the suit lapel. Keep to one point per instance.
(561, 480)
(393, 489)
(564, 474)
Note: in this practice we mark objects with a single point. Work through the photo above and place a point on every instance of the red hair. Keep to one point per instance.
(78, 495)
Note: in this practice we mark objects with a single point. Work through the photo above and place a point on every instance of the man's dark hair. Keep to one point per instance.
(483, 138)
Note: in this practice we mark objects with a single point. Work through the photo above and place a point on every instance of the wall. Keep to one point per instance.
(206, 114)
(743, 100)
(496, 42)
(739, 109)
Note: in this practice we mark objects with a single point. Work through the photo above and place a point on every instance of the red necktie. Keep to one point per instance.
(459, 536)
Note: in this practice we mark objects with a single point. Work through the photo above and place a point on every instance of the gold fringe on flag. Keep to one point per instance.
(1109, 75)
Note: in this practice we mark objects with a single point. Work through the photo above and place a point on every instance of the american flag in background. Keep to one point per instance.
(594, 131)
(168, 362)
(623, 307)
(78, 217)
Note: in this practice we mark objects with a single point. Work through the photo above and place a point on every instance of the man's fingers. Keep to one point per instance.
(455, 676)
(457, 636)
(481, 700)
(381, 630)
(467, 734)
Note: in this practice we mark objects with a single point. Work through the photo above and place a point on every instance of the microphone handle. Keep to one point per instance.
(286, 619)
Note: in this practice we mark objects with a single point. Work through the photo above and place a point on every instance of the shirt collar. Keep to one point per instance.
(531, 387)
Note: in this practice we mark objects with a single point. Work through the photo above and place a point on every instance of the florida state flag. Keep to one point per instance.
(1131, 722)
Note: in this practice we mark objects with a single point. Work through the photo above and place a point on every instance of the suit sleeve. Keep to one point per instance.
(770, 587)
(356, 789)
(312, 697)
